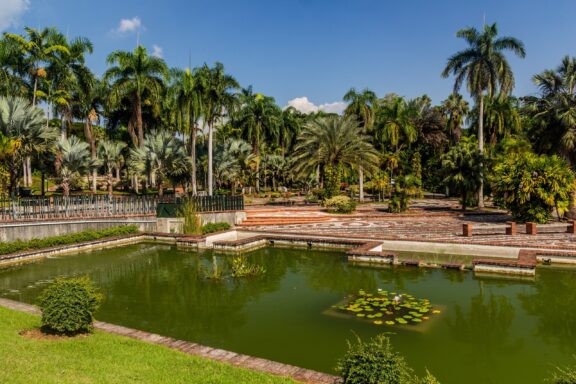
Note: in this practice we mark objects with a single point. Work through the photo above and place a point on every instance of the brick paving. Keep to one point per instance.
(244, 361)
(427, 220)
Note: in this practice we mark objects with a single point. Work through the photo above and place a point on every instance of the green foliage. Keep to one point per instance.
(68, 306)
(563, 376)
(72, 238)
(373, 362)
(463, 168)
(340, 204)
(242, 268)
(531, 186)
(331, 182)
(191, 224)
(404, 187)
(214, 227)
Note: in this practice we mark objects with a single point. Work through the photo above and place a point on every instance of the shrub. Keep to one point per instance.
(68, 306)
(373, 362)
(340, 204)
(531, 186)
(71, 238)
(563, 376)
(191, 224)
(214, 227)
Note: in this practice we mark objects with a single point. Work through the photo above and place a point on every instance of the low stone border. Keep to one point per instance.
(243, 361)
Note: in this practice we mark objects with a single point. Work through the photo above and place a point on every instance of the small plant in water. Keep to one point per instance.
(389, 308)
(242, 268)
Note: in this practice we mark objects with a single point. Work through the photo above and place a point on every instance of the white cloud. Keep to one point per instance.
(129, 25)
(157, 50)
(306, 106)
(10, 12)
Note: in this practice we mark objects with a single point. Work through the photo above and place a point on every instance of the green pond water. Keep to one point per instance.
(491, 330)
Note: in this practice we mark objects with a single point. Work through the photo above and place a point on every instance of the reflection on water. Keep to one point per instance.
(490, 330)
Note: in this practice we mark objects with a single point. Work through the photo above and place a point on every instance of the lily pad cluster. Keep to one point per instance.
(390, 308)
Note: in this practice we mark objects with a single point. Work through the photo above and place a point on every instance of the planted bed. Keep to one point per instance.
(305, 304)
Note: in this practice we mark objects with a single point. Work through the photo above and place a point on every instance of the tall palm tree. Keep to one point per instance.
(456, 109)
(24, 124)
(110, 155)
(485, 70)
(290, 126)
(74, 156)
(138, 77)
(332, 143)
(38, 47)
(258, 117)
(501, 117)
(232, 163)
(361, 105)
(186, 90)
(218, 101)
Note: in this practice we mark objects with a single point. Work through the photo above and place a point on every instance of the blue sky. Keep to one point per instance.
(314, 49)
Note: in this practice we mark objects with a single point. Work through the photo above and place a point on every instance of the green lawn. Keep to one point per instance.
(104, 358)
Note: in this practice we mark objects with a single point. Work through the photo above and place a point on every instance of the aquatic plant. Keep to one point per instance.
(388, 308)
(242, 268)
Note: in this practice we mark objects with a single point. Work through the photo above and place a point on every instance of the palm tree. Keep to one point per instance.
(232, 163)
(290, 125)
(331, 143)
(162, 156)
(501, 117)
(486, 71)
(38, 48)
(258, 117)
(74, 156)
(138, 77)
(218, 101)
(88, 100)
(24, 124)
(395, 122)
(361, 105)
(187, 92)
(456, 109)
(110, 155)
(463, 166)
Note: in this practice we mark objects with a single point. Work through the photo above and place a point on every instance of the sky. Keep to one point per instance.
(308, 53)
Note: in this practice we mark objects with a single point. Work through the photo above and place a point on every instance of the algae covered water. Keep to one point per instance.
(490, 329)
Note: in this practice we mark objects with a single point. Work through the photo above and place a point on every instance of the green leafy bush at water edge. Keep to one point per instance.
(68, 306)
(72, 238)
(214, 227)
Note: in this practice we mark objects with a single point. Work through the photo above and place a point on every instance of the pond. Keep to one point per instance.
(490, 330)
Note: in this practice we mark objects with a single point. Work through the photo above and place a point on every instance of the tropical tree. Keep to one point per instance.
(329, 144)
(462, 166)
(38, 48)
(291, 122)
(258, 117)
(137, 77)
(163, 156)
(455, 108)
(232, 163)
(395, 122)
(110, 155)
(74, 160)
(23, 124)
(361, 105)
(501, 118)
(187, 91)
(218, 100)
(485, 70)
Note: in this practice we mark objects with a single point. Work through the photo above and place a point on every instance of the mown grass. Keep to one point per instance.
(105, 358)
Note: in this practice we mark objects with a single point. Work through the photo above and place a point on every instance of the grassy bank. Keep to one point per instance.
(72, 238)
(105, 358)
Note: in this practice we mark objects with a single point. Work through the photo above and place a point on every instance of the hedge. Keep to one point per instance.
(72, 238)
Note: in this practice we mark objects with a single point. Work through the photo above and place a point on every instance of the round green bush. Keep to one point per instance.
(373, 362)
(68, 306)
(340, 204)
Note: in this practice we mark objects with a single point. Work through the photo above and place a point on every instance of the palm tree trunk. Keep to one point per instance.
(361, 182)
(139, 124)
(193, 157)
(24, 173)
(110, 183)
(481, 148)
(35, 89)
(29, 167)
(94, 177)
(210, 175)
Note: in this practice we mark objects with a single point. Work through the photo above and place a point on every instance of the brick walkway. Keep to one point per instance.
(428, 220)
(244, 361)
